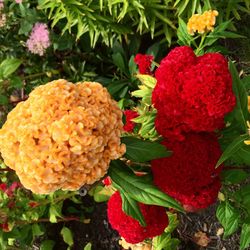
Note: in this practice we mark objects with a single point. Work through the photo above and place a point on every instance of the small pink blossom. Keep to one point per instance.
(1, 5)
(19, 1)
(38, 41)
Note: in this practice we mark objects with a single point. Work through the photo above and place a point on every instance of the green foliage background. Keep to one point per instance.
(96, 41)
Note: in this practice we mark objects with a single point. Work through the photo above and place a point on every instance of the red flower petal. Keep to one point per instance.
(192, 93)
(129, 228)
(129, 125)
(189, 174)
(144, 63)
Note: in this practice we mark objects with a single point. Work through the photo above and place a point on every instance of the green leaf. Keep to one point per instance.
(131, 208)
(36, 230)
(173, 222)
(132, 66)
(47, 245)
(8, 66)
(147, 122)
(115, 87)
(244, 236)
(183, 37)
(4, 100)
(25, 27)
(246, 82)
(144, 93)
(234, 176)
(54, 212)
(232, 148)
(242, 197)
(147, 80)
(165, 242)
(139, 188)
(215, 35)
(101, 194)
(16, 82)
(142, 151)
(229, 34)
(241, 110)
(119, 61)
(88, 246)
(242, 156)
(229, 217)
(67, 236)
(161, 241)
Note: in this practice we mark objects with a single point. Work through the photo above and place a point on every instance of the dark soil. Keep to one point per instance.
(98, 232)
(206, 222)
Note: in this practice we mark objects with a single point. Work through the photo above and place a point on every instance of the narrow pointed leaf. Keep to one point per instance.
(244, 237)
(241, 111)
(131, 208)
(142, 151)
(232, 149)
(139, 188)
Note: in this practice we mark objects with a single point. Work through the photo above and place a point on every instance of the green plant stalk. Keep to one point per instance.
(65, 219)
(58, 199)
(201, 43)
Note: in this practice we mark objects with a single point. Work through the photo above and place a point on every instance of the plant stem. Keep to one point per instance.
(34, 75)
(201, 44)
(5, 169)
(58, 199)
(65, 219)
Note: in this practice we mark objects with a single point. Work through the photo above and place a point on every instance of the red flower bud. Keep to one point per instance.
(5, 227)
(33, 204)
(129, 125)
(144, 63)
(3, 187)
(107, 181)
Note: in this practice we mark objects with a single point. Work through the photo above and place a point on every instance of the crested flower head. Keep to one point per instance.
(129, 228)
(189, 174)
(192, 94)
(202, 22)
(63, 136)
(39, 40)
(144, 63)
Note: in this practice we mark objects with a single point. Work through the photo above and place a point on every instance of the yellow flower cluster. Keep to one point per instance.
(63, 136)
(202, 23)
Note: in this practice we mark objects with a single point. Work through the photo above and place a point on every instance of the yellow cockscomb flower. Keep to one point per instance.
(63, 136)
(202, 23)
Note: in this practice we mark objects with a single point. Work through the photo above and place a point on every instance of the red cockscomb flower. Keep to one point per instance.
(129, 228)
(107, 181)
(144, 63)
(189, 174)
(129, 115)
(192, 93)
